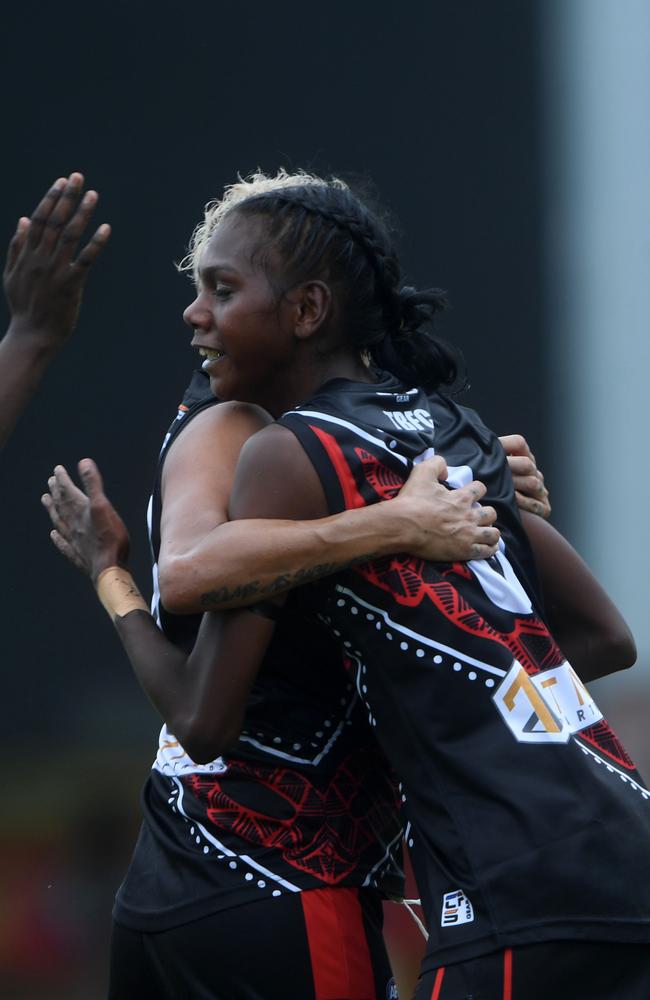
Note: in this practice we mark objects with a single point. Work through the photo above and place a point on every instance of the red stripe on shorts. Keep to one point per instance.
(507, 974)
(338, 946)
(437, 983)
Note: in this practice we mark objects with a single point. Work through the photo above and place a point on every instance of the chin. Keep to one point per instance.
(221, 389)
(226, 391)
(229, 390)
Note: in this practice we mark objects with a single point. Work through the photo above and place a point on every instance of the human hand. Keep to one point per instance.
(447, 525)
(87, 528)
(530, 491)
(43, 280)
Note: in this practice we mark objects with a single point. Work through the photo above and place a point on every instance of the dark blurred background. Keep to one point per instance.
(473, 120)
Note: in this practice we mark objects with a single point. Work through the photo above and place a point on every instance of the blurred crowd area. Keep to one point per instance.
(69, 825)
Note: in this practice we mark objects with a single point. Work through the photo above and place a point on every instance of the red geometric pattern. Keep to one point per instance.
(403, 577)
(603, 738)
(384, 481)
(528, 641)
(324, 833)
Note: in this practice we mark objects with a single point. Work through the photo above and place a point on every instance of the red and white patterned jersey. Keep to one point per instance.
(304, 800)
(527, 820)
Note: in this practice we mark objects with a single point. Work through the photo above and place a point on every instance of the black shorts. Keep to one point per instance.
(554, 970)
(322, 944)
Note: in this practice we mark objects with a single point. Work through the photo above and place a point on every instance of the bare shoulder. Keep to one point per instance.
(275, 478)
(213, 440)
(226, 420)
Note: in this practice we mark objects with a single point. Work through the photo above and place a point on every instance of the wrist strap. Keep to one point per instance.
(118, 593)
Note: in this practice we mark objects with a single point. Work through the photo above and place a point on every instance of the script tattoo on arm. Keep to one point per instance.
(250, 593)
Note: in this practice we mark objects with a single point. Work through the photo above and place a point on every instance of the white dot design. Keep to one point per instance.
(195, 832)
(420, 653)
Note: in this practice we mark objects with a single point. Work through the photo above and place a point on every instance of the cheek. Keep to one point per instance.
(255, 336)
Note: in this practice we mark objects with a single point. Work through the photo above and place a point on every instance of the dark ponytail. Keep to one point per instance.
(409, 348)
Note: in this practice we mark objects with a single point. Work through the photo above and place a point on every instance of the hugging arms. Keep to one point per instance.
(209, 561)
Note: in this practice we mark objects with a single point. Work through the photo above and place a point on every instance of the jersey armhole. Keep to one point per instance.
(317, 455)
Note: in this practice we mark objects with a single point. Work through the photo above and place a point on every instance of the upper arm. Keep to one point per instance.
(199, 471)
(275, 478)
(577, 606)
(567, 582)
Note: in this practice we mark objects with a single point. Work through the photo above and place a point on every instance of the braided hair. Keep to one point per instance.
(319, 227)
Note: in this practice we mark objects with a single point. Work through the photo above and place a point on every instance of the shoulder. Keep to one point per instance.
(228, 417)
(216, 433)
(275, 478)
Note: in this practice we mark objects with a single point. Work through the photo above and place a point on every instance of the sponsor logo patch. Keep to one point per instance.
(391, 990)
(456, 909)
(548, 707)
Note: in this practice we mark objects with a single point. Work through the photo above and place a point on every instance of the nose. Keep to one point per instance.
(197, 315)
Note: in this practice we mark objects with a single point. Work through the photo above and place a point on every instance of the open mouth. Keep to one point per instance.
(210, 356)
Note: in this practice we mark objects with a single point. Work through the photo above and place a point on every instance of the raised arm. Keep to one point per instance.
(44, 282)
(587, 625)
(201, 697)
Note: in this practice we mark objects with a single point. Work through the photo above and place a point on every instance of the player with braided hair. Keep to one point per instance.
(299, 296)
(317, 224)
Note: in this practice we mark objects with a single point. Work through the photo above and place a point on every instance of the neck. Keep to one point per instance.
(300, 383)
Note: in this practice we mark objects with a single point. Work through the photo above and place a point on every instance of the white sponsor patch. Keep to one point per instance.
(548, 707)
(456, 909)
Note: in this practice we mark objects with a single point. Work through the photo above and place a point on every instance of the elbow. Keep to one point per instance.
(608, 653)
(620, 649)
(177, 586)
(205, 742)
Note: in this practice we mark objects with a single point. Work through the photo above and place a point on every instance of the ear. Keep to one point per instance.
(311, 302)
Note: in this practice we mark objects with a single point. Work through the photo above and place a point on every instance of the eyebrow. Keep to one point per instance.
(215, 270)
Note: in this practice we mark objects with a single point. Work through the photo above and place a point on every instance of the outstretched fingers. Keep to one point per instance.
(66, 488)
(54, 514)
(91, 479)
(58, 224)
(17, 243)
(67, 223)
(65, 503)
(63, 211)
(41, 214)
(66, 549)
(93, 248)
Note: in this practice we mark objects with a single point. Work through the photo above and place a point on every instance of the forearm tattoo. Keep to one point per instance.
(244, 592)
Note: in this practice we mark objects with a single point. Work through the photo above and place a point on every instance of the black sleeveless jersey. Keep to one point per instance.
(526, 818)
(304, 800)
